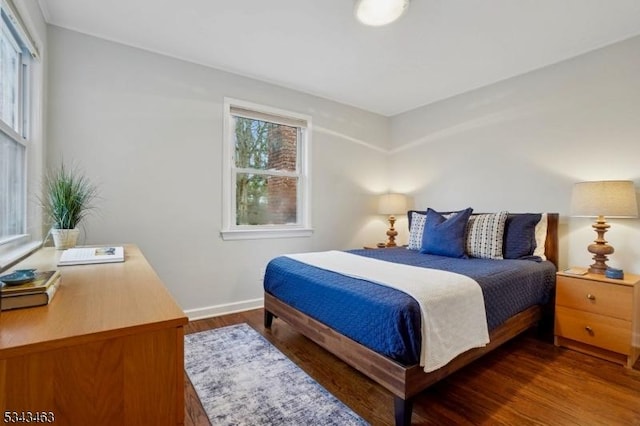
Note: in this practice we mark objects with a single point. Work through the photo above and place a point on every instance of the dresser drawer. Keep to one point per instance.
(595, 297)
(593, 329)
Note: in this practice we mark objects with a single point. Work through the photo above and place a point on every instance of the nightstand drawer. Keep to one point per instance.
(593, 329)
(595, 297)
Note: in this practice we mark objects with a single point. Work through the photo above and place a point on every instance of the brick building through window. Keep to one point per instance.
(282, 191)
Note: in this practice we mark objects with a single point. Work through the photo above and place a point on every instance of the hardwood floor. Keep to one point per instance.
(525, 382)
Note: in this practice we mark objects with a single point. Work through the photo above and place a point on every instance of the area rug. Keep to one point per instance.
(242, 379)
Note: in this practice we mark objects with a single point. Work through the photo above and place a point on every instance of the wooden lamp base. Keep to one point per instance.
(392, 233)
(600, 249)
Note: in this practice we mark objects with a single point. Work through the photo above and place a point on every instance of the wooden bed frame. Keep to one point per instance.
(404, 381)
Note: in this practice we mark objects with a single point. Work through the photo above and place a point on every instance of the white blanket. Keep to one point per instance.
(452, 305)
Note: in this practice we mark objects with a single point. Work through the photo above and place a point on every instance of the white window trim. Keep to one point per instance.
(231, 231)
(13, 249)
(6, 129)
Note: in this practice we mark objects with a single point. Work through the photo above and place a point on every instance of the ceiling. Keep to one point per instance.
(439, 49)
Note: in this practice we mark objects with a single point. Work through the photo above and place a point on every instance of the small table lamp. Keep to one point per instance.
(391, 204)
(611, 198)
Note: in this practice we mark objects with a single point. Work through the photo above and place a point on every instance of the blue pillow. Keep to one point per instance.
(422, 212)
(445, 237)
(520, 235)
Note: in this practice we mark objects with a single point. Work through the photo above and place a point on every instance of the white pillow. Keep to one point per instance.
(541, 237)
(416, 231)
(485, 235)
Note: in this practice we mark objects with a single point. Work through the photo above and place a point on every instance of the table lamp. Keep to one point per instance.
(610, 198)
(392, 204)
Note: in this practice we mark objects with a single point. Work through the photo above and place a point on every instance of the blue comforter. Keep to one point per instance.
(387, 320)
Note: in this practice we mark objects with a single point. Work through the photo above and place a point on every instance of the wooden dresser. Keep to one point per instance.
(599, 316)
(107, 350)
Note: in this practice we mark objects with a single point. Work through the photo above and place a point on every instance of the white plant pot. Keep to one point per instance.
(65, 238)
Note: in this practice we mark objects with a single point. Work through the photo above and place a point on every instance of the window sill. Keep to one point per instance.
(258, 234)
(12, 255)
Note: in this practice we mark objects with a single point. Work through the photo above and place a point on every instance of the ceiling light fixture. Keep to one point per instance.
(379, 12)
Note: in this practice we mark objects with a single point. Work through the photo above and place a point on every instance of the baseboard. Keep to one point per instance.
(227, 308)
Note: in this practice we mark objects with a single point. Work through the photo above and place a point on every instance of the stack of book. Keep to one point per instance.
(38, 292)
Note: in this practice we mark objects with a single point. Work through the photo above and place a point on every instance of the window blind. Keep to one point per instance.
(19, 26)
(271, 118)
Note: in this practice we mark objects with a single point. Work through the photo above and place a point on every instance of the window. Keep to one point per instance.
(16, 57)
(266, 181)
(12, 188)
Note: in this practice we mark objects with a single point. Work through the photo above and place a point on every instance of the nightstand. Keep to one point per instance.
(599, 316)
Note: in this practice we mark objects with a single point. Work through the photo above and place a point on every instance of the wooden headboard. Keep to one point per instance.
(551, 244)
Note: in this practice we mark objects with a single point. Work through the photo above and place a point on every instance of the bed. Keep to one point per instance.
(303, 296)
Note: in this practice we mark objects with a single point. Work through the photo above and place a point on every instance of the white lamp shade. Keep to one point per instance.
(379, 12)
(610, 198)
(392, 204)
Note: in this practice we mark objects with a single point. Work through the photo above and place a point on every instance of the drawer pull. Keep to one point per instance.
(591, 296)
(589, 330)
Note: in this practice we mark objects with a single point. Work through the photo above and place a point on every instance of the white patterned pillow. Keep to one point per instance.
(485, 234)
(416, 231)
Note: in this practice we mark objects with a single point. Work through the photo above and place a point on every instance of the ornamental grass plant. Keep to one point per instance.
(68, 197)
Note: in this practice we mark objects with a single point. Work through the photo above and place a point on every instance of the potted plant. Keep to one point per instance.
(67, 199)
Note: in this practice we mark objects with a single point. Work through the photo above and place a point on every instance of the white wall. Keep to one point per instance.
(520, 144)
(148, 129)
